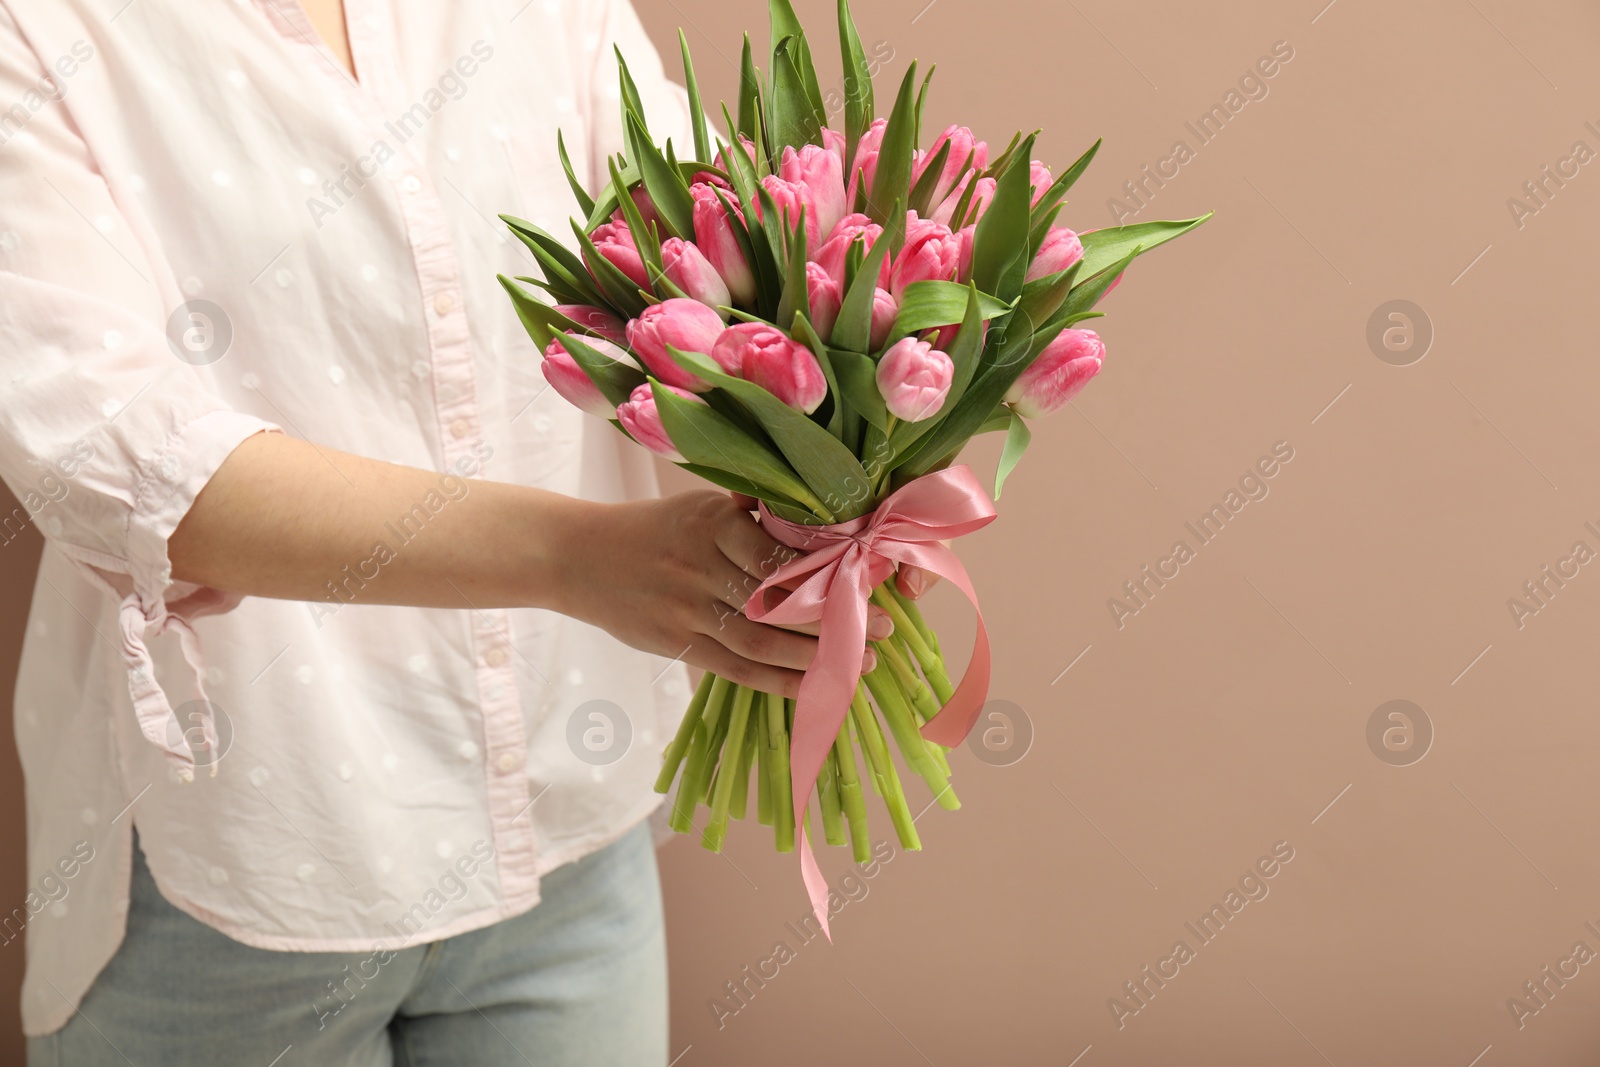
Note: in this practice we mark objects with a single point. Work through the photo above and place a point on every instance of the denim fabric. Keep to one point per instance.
(578, 980)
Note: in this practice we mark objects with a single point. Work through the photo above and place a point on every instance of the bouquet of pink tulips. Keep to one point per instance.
(822, 320)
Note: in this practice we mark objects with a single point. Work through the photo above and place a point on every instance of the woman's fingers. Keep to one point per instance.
(772, 646)
(718, 659)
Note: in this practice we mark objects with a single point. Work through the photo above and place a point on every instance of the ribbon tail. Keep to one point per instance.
(955, 720)
(825, 694)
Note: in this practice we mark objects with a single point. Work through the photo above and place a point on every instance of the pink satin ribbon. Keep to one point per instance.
(841, 565)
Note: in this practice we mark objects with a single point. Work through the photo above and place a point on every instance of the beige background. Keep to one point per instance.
(1231, 712)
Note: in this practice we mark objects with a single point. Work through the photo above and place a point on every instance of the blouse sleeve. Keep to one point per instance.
(107, 431)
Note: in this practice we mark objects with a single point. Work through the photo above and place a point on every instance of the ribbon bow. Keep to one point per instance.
(841, 566)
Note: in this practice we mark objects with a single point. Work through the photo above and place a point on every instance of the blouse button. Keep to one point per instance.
(496, 657)
(443, 303)
(507, 762)
(460, 428)
(411, 184)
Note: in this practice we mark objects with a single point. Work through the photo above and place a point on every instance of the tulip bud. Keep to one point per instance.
(689, 270)
(914, 378)
(824, 295)
(833, 141)
(596, 320)
(725, 156)
(956, 164)
(790, 198)
(640, 417)
(822, 174)
(1059, 250)
(967, 236)
(686, 325)
(885, 309)
(931, 253)
(833, 252)
(614, 242)
(982, 197)
(714, 236)
(576, 387)
(1039, 178)
(768, 357)
(1058, 373)
(865, 166)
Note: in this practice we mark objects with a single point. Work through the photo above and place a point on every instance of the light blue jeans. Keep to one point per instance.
(580, 980)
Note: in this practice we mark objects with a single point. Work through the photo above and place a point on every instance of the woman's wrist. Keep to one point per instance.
(554, 535)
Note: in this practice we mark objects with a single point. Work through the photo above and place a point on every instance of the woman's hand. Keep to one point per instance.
(670, 576)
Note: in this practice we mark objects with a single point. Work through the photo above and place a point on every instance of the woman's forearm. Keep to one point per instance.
(284, 518)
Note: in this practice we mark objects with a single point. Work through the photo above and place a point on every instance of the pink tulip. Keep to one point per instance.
(825, 296)
(595, 320)
(790, 198)
(706, 177)
(1039, 177)
(689, 270)
(1059, 250)
(946, 335)
(639, 416)
(833, 252)
(885, 309)
(931, 253)
(821, 173)
(966, 236)
(614, 242)
(714, 236)
(914, 378)
(686, 325)
(1058, 373)
(647, 209)
(725, 156)
(982, 197)
(833, 141)
(576, 387)
(766, 356)
(966, 153)
(865, 165)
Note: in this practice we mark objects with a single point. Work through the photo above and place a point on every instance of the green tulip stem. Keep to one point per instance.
(828, 793)
(728, 769)
(884, 775)
(897, 712)
(673, 757)
(697, 770)
(916, 635)
(763, 766)
(778, 770)
(851, 798)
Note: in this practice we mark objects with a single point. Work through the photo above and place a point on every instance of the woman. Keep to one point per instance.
(370, 637)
